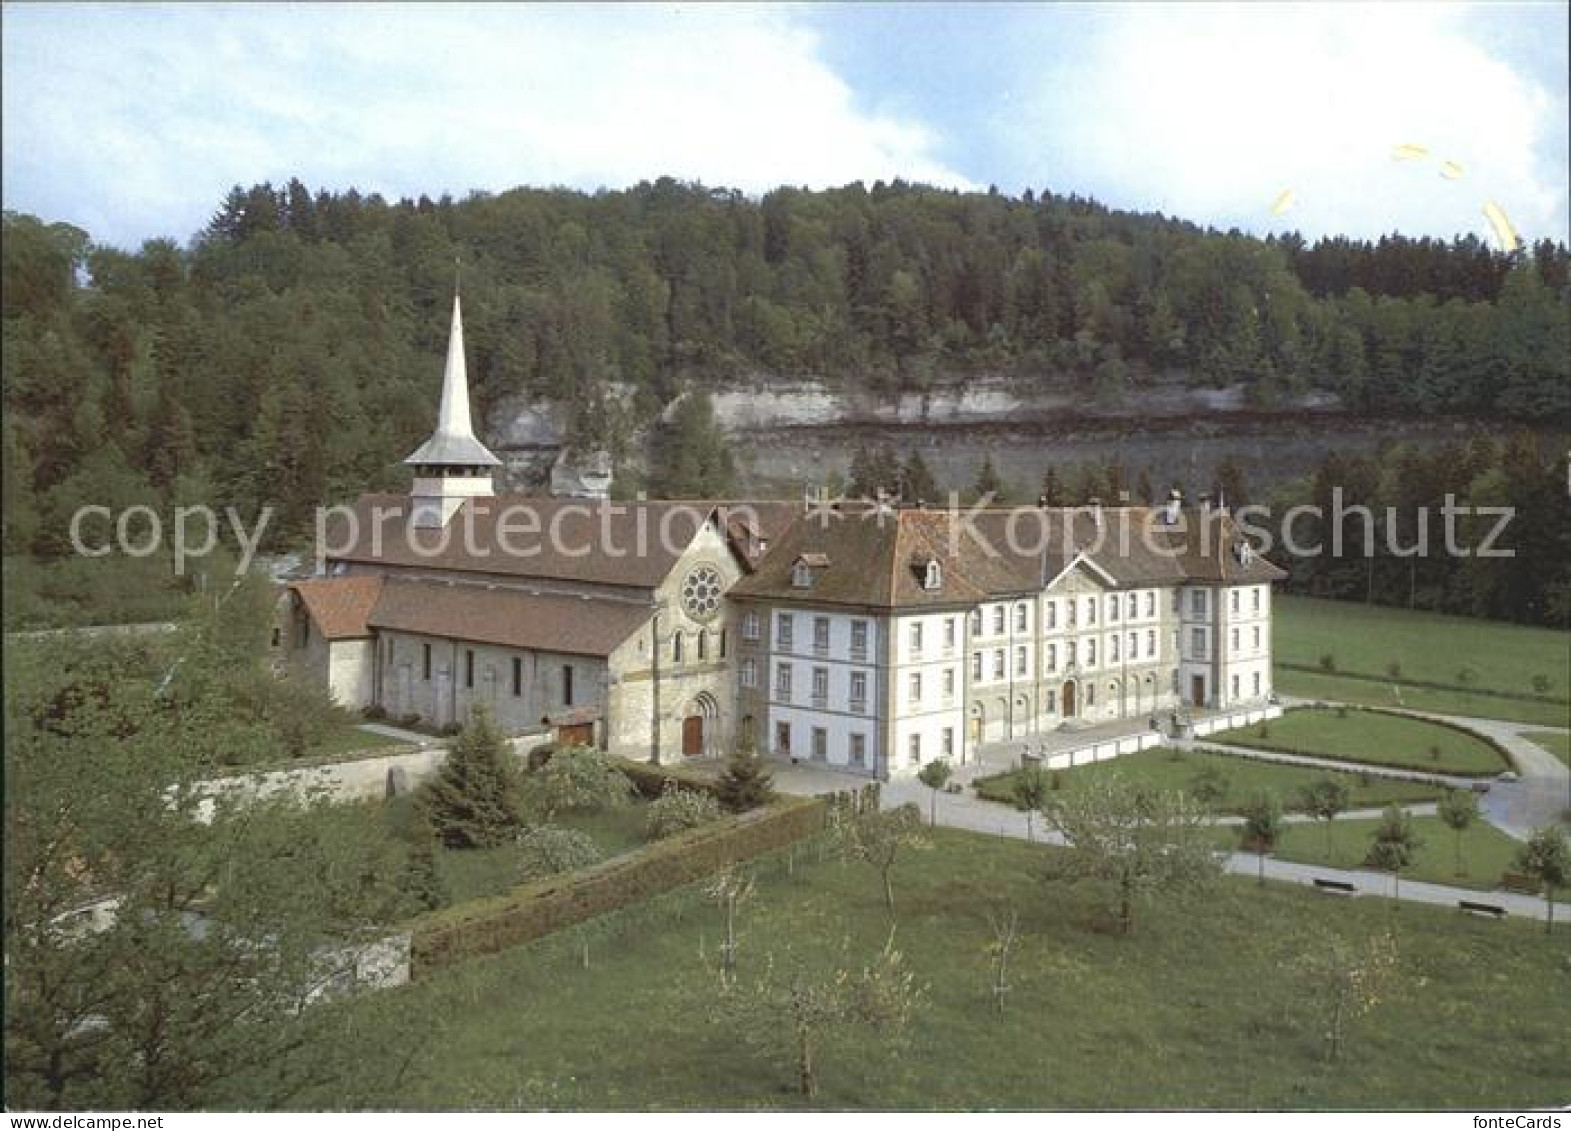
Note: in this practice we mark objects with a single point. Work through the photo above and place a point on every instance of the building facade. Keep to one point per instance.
(868, 637)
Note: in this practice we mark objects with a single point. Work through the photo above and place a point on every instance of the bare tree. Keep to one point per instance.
(730, 888)
(878, 839)
(1006, 932)
(1344, 979)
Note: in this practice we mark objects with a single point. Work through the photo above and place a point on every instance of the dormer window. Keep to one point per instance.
(932, 576)
(1245, 553)
(801, 576)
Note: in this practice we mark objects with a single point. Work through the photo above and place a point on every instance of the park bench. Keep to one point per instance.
(1335, 887)
(1517, 882)
(1473, 907)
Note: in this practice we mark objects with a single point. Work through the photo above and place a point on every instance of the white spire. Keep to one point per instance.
(454, 442)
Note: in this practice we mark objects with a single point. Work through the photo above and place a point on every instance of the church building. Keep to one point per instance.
(869, 637)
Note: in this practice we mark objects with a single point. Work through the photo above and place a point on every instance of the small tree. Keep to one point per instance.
(1542, 683)
(877, 838)
(935, 775)
(474, 800)
(1466, 675)
(422, 883)
(1141, 840)
(1344, 979)
(1546, 857)
(1263, 827)
(549, 850)
(576, 779)
(745, 782)
(1458, 808)
(1394, 670)
(677, 810)
(1006, 932)
(1327, 662)
(1395, 845)
(1209, 787)
(807, 1007)
(1030, 789)
(731, 887)
(1325, 799)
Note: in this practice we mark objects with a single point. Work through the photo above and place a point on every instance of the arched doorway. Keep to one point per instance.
(1067, 701)
(698, 725)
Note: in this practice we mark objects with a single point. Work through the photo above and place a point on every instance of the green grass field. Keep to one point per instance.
(1203, 1007)
(1430, 648)
(1372, 737)
(1557, 742)
(1244, 778)
(1486, 851)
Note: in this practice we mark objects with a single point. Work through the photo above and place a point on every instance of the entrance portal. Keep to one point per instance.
(1197, 690)
(692, 736)
(1069, 700)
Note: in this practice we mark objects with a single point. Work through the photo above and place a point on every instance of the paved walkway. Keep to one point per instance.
(1450, 781)
(412, 737)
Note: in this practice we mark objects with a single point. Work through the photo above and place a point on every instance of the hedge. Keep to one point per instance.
(1429, 685)
(530, 911)
(651, 779)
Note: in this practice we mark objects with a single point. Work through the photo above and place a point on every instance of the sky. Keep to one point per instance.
(133, 121)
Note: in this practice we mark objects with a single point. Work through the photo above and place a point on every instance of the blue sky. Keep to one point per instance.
(133, 122)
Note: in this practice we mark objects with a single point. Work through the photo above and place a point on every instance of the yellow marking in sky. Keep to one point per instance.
(1451, 171)
(1283, 202)
(1504, 232)
(1410, 152)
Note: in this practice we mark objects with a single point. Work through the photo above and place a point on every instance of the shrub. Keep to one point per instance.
(1263, 731)
(1394, 669)
(677, 810)
(374, 712)
(1434, 753)
(1327, 662)
(1542, 683)
(1341, 710)
(1466, 675)
(745, 783)
(576, 779)
(474, 800)
(410, 720)
(547, 850)
(451, 729)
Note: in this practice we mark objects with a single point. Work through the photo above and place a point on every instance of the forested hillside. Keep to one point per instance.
(291, 352)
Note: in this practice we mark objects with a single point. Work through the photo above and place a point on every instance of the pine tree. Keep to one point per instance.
(916, 481)
(421, 882)
(474, 801)
(746, 782)
(1052, 489)
(987, 481)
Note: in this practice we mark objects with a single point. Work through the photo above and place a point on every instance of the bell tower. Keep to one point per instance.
(452, 465)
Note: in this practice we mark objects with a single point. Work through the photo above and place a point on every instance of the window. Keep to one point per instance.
(1112, 606)
(859, 749)
(933, 576)
(1090, 653)
(1234, 602)
(1052, 614)
(783, 632)
(976, 666)
(859, 691)
(722, 644)
(703, 644)
(1021, 617)
(1072, 653)
(947, 749)
(749, 673)
(676, 647)
(567, 685)
(1134, 645)
(949, 634)
(1197, 602)
(1151, 644)
(1071, 609)
(916, 639)
(1255, 594)
(1112, 648)
(1090, 695)
(1197, 643)
(998, 664)
(750, 626)
(820, 744)
(916, 687)
(1022, 662)
(278, 636)
(1178, 601)
(469, 667)
(820, 686)
(1134, 606)
(1090, 610)
(859, 638)
(949, 684)
(783, 738)
(1052, 657)
(1235, 687)
(1257, 685)
(1151, 604)
(998, 620)
(976, 622)
(801, 576)
(914, 746)
(1257, 637)
(821, 635)
(518, 676)
(425, 661)
(1233, 641)
(783, 683)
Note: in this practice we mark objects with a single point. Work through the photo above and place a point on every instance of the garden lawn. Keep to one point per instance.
(1486, 851)
(348, 739)
(1244, 778)
(1372, 737)
(1203, 1007)
(1336, 688)
(1430, 648)
(1557, 742)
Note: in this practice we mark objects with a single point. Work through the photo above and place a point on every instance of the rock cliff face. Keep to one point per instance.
(791, 432)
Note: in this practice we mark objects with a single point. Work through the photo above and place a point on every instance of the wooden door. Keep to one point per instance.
(1197, 690)
(1069, 701)
(692, 736)
(576, 734)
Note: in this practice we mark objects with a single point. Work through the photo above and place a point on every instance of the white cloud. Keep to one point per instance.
(134, 122)
(1211, 111)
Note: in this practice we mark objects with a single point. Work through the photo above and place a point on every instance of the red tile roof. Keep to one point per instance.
(509, 617)
(339, 605)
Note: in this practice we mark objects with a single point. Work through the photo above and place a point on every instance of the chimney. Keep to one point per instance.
(1175, 501)
(1096, 511)
(1041, 502)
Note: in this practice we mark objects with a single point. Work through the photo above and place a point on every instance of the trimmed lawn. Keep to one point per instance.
(1372, 737)
(1557, 742)
(1477, 1016)
(1486, 851)
(1430, 646)
(1317, 685)
(1244, 778)
(348, 739)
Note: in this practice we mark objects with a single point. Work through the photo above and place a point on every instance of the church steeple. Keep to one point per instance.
(452, 465)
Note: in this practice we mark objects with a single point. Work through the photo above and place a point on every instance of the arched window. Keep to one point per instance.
(676, 647)
(703, 644)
